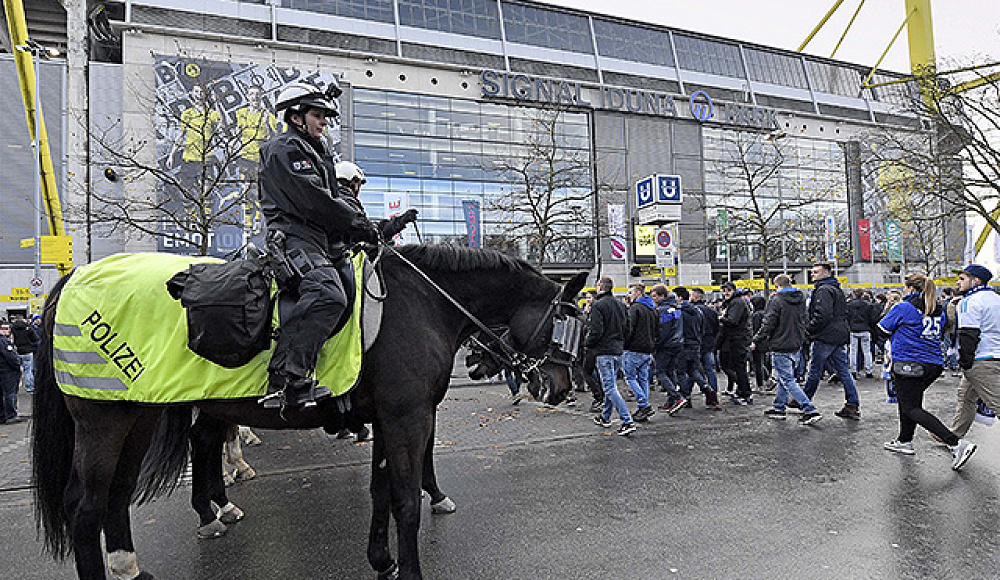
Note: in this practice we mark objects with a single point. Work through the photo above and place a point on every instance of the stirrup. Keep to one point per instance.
(274, 400)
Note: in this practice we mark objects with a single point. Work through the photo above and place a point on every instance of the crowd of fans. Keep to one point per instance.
(671, 338)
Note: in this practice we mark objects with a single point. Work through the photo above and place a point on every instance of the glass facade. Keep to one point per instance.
(468, 17)
(633, 43)
(436, 152)
(835, 80)
(776, 69)
(805, 176)
(537, 25)
(709, 56)
(547, 28)
(376, 10)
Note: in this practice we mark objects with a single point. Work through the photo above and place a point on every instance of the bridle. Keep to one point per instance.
(564, 343)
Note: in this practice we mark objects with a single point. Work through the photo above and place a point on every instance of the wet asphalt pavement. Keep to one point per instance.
(544, 493)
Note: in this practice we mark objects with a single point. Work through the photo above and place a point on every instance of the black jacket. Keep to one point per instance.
(10, 364)
(828, 314)
(642, 325)
(710, 326)
(606, 326)
(734, 323)
(25, 339)
(299, 194)
(783, 327)
(694, 327)
(670, 334)
(860, 315)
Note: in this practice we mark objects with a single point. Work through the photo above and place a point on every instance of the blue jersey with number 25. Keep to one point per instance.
(915, 337)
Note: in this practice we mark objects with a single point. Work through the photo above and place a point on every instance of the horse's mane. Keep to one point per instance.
(462, 259)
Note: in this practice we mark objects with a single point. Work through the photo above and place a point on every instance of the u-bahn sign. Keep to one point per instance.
(658, 199)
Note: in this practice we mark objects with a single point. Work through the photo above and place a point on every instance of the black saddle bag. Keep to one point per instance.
(228, 309)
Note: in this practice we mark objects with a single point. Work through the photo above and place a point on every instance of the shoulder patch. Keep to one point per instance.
(300, 163)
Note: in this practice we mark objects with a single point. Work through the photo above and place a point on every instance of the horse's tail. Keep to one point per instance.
(167, 456)
(52, 439)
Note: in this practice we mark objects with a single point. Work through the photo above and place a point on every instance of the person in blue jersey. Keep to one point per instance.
(914, 326)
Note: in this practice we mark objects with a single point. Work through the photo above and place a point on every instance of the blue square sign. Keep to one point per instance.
(644, 193)
(668, 189)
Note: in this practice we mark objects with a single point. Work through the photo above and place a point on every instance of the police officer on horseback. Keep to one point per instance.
(350, 178)
(311, 224)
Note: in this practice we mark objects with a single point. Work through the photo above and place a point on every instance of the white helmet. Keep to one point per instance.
(300, 97)
(347, 171)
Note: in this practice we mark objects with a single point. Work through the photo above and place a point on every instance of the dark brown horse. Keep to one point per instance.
(92, 459)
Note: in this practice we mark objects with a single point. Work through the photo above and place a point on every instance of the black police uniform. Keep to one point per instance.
(299, 197)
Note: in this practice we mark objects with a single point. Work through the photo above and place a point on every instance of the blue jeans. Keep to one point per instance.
(821, 354)
(783, 364)
(512, 382)
(636, 367)
(27, 369)
(708, 366)
(608, 366)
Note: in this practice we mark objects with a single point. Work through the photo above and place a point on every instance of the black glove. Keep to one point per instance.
(396, 224)
(369, 234)
(408, 217)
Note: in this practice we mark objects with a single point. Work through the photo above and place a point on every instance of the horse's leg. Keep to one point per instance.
(234, 457)
(207, 437)
(378, 534)
(99, 443)
(440, 503)
(405, 443)
(122, 561)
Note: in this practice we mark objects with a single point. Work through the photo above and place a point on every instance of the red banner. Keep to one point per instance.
(864, 239)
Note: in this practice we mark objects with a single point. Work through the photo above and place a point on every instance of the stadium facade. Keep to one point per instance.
(456, 107)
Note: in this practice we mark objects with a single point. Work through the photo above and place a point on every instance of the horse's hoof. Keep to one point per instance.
(228, 480)
(230, 514)
(391, 574)
(214, 529)
(445, 506)
(245, 474)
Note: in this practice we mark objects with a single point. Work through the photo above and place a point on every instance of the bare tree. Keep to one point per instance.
(953, 166)
(548, 201)
(922, 217)
(185, 187)
(769, 214)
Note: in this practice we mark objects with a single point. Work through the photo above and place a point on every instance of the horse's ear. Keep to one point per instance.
(573, 287)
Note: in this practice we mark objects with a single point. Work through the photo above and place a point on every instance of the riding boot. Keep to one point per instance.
(275, 390)
(300, 391)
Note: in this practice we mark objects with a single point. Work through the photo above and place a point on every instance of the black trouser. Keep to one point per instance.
(323, 296)
(590, 376)
(761, 366)
(688, 370)
(910, 396)
(733, 360)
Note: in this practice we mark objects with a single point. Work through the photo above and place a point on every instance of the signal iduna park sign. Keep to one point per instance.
(699, 106)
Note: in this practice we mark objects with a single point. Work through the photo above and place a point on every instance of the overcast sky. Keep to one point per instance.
(964, 30)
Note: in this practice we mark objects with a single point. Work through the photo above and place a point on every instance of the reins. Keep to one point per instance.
(514, 357)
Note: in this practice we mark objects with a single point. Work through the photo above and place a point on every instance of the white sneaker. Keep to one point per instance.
(900, 447)
(962, 452)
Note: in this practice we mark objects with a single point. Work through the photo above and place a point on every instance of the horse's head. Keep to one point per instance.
(550, 333)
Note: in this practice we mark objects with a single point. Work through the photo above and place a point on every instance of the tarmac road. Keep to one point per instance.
(543, 493)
